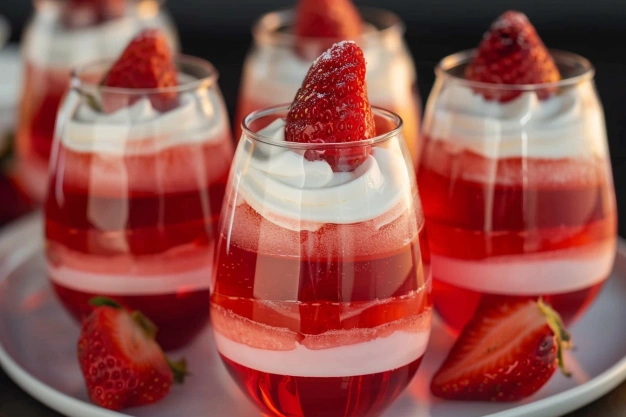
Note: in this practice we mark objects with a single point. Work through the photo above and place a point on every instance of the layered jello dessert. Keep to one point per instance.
(320, 303)
(515, 177)
(138, 173)
(286, 43)
(61, 35)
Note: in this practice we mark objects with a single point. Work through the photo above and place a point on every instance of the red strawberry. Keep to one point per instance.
(332, 107)
(511, 52)
(122, 364)
(505, 353)
(83, 13)
(147, 62)
(330, 20)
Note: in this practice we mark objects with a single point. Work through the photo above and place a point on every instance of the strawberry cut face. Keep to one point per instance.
(507, 352)
(512, 53)
(332, 107)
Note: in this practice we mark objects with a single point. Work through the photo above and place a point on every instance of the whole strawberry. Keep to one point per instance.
(512, 52)
(325, 22)
(332, 106)
(85, 13)
(122, 364)
(146, 63)
(507, 352)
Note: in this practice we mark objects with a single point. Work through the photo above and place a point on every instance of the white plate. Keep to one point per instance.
(37, 350)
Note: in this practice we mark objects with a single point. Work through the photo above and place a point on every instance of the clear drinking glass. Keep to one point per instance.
(135, 194)
(517, 190)
(273, 70)
(320, 304)
(57, 39)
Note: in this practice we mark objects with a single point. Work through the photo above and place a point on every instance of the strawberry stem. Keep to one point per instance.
(104, 302)
(563, 338)
(93, 102)
(179, 369)
(145, 323)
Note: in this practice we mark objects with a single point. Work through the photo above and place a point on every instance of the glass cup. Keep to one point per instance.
(517, 190)
(58, 38)
(319, 302)
(135, 194)
(273, 70)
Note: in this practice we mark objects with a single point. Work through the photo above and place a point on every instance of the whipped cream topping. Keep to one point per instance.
(567, 124)
(298, 194)
(199, 117)
(273, 74)
(49, 43)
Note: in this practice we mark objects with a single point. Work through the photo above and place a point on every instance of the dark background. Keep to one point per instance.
(219, 30)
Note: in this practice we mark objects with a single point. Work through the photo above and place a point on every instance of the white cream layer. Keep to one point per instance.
(378, 355)
(298, 194)
(48, 43)
(567, 124)
(200, 117)
(554, 272)
(130, 284)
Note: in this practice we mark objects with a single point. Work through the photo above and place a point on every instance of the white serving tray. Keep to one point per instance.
(38, 343)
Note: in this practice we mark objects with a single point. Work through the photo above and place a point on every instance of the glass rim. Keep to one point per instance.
(203, 82)
(266, 29)
(450, 62)
(257, 114)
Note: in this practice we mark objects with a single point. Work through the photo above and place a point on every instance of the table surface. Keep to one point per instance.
(610, 63)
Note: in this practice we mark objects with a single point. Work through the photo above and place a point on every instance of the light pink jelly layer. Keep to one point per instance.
(530, 274)
(187, 267)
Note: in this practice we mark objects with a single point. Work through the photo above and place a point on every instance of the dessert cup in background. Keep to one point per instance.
(276, 66)
(61, 35)
(135, 195)
(517, 190)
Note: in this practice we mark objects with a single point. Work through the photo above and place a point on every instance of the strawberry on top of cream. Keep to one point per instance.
(304, 189)
(505, 121)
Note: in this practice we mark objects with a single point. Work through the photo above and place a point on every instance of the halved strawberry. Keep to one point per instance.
(330, 20)
(122, 364)
(332, 107)
(511, 52)
(146, 63)
(507, 352)
(84, 13)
